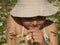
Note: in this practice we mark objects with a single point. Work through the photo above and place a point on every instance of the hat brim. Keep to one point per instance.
(33, 10)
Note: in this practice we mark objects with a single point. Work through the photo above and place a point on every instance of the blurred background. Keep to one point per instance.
(7, 5)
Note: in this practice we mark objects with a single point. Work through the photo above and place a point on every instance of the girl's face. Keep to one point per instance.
(33, 23)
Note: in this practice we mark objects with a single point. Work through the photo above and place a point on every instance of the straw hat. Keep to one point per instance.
(31, 8)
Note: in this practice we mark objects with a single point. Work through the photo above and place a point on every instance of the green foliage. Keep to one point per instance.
(7, 5)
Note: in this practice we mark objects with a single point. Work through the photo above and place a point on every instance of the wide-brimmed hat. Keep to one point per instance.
(31, 8)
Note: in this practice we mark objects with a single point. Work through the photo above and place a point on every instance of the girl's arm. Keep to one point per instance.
(10, 32)
(53, 34)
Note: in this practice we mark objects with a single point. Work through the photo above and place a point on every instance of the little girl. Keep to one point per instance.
(27, 24)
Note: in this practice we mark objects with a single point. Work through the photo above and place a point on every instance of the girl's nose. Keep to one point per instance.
(34, 22)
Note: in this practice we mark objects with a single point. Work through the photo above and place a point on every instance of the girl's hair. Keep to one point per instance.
(17, 20)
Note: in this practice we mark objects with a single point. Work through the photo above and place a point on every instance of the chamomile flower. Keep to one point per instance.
(19, 35)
